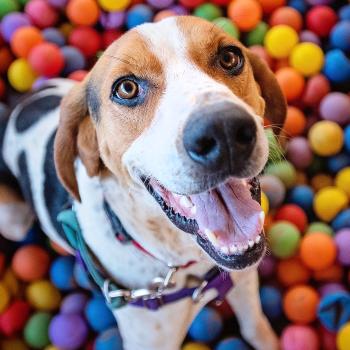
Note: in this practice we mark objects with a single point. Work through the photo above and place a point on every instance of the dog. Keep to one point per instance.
(163, 139)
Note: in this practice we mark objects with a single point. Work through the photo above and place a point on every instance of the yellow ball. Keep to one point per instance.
(265, 205)
(21, 75)
(195, 346)
(13, 344)
(114, 5)
(329, 201)
(326, 138)
(51, 347)
(4, 297)
(343, 337)
(43, 295)
(280, 41)
(11, 282)
(307, 58)
(342, 180)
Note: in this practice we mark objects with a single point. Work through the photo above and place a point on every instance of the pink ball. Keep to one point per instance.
(299, 152)
(336, 107)
(316, 89)
(311, 37)
(296, 337)
(342, 241)
(41, 13)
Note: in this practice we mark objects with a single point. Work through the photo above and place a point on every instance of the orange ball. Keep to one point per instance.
(318, 251)
(291, 82)
(320, 181)
(300, 304)
(287, 15)
(281, 63)
(24, 39)
(5, 59)
(270, 5)
(30, 263)
(295, 122)
(292, 271)
(83, 12)
(330, 274)
(246, 14)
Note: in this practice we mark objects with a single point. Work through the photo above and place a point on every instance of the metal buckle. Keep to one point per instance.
(114, 293)
(198, 293)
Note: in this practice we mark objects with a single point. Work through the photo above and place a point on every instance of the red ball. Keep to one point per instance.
(14, 318)
(2, 94)
(321, 19)
(86, 39)
(46, 59)
(41, 13)
(294, 214)
(78, 75)
(191, 3)
(109, 36)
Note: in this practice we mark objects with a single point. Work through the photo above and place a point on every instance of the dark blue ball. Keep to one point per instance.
(110, 339)
(99, 315)
(337, 66)
(302, 195)
(340, 36)
(342, 220)
(344, 13)
(73, 60)
(62, 272)
(206, 326)
(54, 36)
(347, 139)
(299, 5)
(137, 15)
(232, 344)
(338, 162)
(271, 301)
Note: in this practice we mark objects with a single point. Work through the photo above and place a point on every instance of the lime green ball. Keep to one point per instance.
(208, 11)
(7, 6)
(36, 331)
(284, 239)
(227, 26)
(284, 170)
(257, 35)
(319, 226)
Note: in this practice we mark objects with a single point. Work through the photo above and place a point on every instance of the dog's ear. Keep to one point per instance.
(75, 136)
(275, 103)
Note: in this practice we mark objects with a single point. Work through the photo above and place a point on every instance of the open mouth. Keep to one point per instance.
(227, 220)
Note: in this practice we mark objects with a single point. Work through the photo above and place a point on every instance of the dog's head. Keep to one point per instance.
(179, 106)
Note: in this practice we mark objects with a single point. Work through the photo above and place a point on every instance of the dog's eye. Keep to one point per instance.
(126, 89)
(231, 59)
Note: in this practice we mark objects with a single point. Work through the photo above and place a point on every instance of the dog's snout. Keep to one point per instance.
(220, 136)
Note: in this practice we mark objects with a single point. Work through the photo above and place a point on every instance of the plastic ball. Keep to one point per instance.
(190, 4)
(288, 16)
(294, 214)
(331, 274)
(344, 13)
(163, 4)
(208, 11)
(267, 267)
(269, 6)
(307, 58)
(336, 107)
(292, 271)
(61, 273)
(246, 14)
(112, 20)
(337, 66)
(13, 344)
(321, 19)
(43, 296)
(317, 87)
(110, 339)
(284, 170)
(78, 75)
(68, 331)
(53, 35)
(24, 39)
(291, 82)
(4, 297)
(284, 238)
(30, 263)
(13, 319)
(137, 15)
(299, 5)
(11, 22)
(206, 326)
(319, 226)
(274, 189)
(331, 288)
(318, 251)
(299, 152)
(309, 36)
(342, 180)
(271, 301)
(340, 36)
(74, 303)
(41, 13)
(343, 337)
(232, 344)
(264, 203)
(300, 304)
(8, 6)
(112, 5)
(10, 281)
(5, 59)
(342, 241)
(59, 4)
(83, 12)
(261, 52)
(99, 315)
(295, 122)
(326, 138)
(195, 346)
(298, 337)
(280, 41)
(36, 330)
(86, 39)
(347, 138)
(338, 162)
(228, 26)
(257, 35)
(81, 277)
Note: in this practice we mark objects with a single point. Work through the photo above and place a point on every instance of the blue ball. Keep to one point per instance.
(206, 326)
(338, 162)
(61, 272)
(271, 301)
(232, 344)
(98, 315)
(342, 220)
(340, 36)
(337, 66)
(344, 13)
(54, 36)
(138, 14)
(73, 60)
(299, 5)
(302, 195)
(110, 339)
(347, 138)
(81, 277)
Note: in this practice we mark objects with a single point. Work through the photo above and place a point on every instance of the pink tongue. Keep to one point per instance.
(229, 211)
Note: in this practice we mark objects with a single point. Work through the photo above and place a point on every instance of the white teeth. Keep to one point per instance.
(250, 243)
(224, 249)
(185, 202)
(233, 249)
(261, 217)
(257, 239)
(194, 210)
(211, 236)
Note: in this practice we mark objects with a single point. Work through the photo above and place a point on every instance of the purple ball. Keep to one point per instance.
(267, 267)
(68, 331)
(299, 152)
(73, 60)
(112, 20)
(74, 303)
(342, 241)
(60, 4)
(179, 10)
(309, 36)
(319, 2)
(336, 107)
(39, 83)
(160, 4)
(54, 36)
(330, 288)
(11, 22)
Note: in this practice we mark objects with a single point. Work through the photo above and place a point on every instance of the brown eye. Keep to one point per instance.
(231, 59)
(127, 89)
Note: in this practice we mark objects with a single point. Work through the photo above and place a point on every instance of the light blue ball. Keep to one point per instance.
(110, 339)
(138, 14)
(81, 277)
(338, 162)
(271, 301)
(344, 13)
(302, 195)
(99, 315)
(232, 344)
(342, 220)
(340, 36)
(206, 326)
(347, 138)
(62, 273)
(337, 66)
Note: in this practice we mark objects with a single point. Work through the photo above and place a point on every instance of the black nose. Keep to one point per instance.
(220, 137)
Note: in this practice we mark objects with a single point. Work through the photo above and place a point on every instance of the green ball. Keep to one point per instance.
(256, 36)
(319, 226)
(284, 170)
(23, 2)
(7, 6)
(284, 239)
(36, 331)
(208, 11)
(276, 152)
(227, 26)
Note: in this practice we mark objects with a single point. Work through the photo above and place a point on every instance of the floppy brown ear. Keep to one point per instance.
(275, 102)
(75, 136)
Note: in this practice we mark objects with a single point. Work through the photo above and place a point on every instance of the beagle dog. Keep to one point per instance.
(166, 135)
